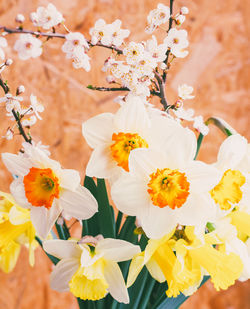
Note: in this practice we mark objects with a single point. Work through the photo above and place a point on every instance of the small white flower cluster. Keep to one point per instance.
(28, 46)
(46, 17)
(185, 93)
(157, 17)
(3, 43)
(75, 48)
(27, 115)
(108, 34)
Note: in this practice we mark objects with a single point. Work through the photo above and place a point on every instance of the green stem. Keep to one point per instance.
(222, 125)
(118, 222)
(53, 259)
(60, 231)
(199, 141)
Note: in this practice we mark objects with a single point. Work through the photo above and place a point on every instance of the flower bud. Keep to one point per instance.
(184, 10)
(20, 89)
(8, 62)
(20, 18)
(110, 79)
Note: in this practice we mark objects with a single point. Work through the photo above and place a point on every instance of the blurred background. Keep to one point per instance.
(217, 67)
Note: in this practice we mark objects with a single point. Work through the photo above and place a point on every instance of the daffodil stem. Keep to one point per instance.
(118, 222)
(61, 231)
(53, 259)
(199, 141)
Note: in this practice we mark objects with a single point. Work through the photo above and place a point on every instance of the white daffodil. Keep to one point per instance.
(47, 189)
(166, 187)
(177, 41)
(28, 46)
(89, 269)
(114, 136)
(233, 186)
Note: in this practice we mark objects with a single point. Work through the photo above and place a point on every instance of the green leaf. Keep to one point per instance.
(118, 222)
(222, 125)
(53, 259)
(199, 141)
(105, 211)
(175, 302)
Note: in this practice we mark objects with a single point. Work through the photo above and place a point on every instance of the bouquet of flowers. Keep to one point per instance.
(155, 222)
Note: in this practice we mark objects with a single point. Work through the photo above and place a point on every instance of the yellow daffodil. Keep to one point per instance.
(89, 269)
(16, 229)
(181, 259)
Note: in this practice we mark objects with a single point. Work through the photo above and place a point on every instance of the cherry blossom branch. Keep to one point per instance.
(6, 89)
(54, 35)
(161, 84)
(153, 92)
(169, 27)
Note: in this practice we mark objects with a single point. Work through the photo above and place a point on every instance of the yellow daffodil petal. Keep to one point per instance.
(241, 220)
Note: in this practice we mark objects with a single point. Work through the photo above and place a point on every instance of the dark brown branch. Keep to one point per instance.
(54, 35)
(162, 95)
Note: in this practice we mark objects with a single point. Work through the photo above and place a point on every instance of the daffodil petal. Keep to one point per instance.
(16, 164)
(62, 249)
(44, 219)
(79, 204)
(17, 190)
(117, 250)
(62, 274)
(98, 130)
(114, 278)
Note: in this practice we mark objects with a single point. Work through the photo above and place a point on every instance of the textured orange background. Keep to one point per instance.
(217, 67)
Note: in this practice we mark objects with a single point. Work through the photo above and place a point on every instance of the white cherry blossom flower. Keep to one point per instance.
(88, 268)
(101, 33)
(118, 35)
(200, 126)
(158, 52)
(184, 114)
(81, 59)
(73, 41)
(20, 18)
(184, 10)
(180, 20)
(30, 121)
(176, 40)
(157, 17)
(47, 189)
(184, 92)
(36, 106)
(9, 134)
(28, 47)
(3, 43)
(46, 17)
(134, 52)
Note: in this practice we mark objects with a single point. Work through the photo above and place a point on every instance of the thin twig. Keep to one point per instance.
(54, 35)
(161, 84)
(153, 92)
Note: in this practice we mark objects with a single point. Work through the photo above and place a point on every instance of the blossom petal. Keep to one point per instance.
(156, 222)
(98, 130)
(117, 250)
(69, 179)
(17, 190)
(129, 195)
(101, 164)
(143, 162)
(231, 152)
(198, 210)
(44, 219)
(132, 117)
(135, 268)
(79, 204)
(62, 274)
(62, 249)
(114, 278)
(16, 164)
(202, 177)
